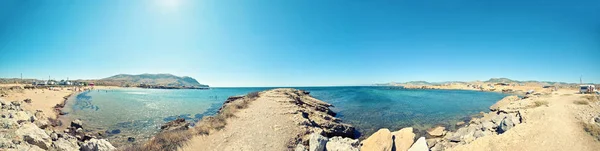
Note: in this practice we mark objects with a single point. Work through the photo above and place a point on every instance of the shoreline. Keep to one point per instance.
(28, 124)
(522, 113)
(506, 119)
(50, 100)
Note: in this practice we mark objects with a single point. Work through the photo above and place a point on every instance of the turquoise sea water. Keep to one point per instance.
(140, 112)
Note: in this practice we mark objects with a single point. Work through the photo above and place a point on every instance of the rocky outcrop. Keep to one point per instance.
(321, 143)
(403, 138)
(493, 123)
(505, 125)
(437, 131)
(97, 145)
(342, 144)
(177, 124)
(318, 114)
(317, 142)
(419, 145)
(379, 141)
(504, 115)
(34, 136)
(503, 104)
(22, 130)
(76, 124)
(63, 144)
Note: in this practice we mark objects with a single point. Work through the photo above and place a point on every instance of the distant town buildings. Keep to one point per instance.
(56, 83)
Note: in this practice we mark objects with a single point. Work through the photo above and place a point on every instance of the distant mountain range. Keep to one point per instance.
(154, 79)
(491, 80)
(149, 80)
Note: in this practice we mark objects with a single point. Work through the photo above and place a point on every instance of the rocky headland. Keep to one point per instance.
(554, 121)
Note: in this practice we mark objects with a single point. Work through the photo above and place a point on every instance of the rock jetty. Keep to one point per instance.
(277, 119)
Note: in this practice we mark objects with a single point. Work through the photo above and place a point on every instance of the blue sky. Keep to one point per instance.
(302, 42)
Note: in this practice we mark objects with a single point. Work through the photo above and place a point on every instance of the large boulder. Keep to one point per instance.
(34, 136)
(3, 102)
(379, 141)
(40, 119)
(317, 142)
(76, 124)
(342, 144)
(505, 125)
(6, 143)
(419, 145)
(64, 145)
(97, 145)
(334, 128)
(498, 118)
(478, 134)
(8, 123)
(403, 138)
(460, 135)
(20, 116)
(300, 147)
(438, 131)
(488, 126)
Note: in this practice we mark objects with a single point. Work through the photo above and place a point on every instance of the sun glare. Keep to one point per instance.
(169, 5)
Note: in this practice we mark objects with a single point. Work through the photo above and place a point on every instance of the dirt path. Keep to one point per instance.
(252, 125)
(277, 120)
(555, 127)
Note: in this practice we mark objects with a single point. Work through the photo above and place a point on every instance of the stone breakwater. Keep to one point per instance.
(277, 119)
(23, 130)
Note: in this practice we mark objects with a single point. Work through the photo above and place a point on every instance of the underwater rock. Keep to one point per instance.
(115, 131)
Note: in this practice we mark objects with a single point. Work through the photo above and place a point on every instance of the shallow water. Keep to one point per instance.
(140, 112)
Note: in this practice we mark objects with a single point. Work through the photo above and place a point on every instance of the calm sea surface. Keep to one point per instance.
(140, 112)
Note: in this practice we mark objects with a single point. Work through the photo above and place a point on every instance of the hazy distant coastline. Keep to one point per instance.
(154, 81)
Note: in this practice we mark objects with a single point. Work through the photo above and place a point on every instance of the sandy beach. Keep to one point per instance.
(44, 99)
(29, 121)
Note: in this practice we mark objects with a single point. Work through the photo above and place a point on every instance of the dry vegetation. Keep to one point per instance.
(218, 121)
(540, 103)
(171, 140)
(581, 102)
(591, 98)
(162, 141)
(592, 129)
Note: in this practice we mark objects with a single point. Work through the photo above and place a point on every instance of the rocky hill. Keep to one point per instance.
(501, 80)
(154, 79)
(491, 81)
